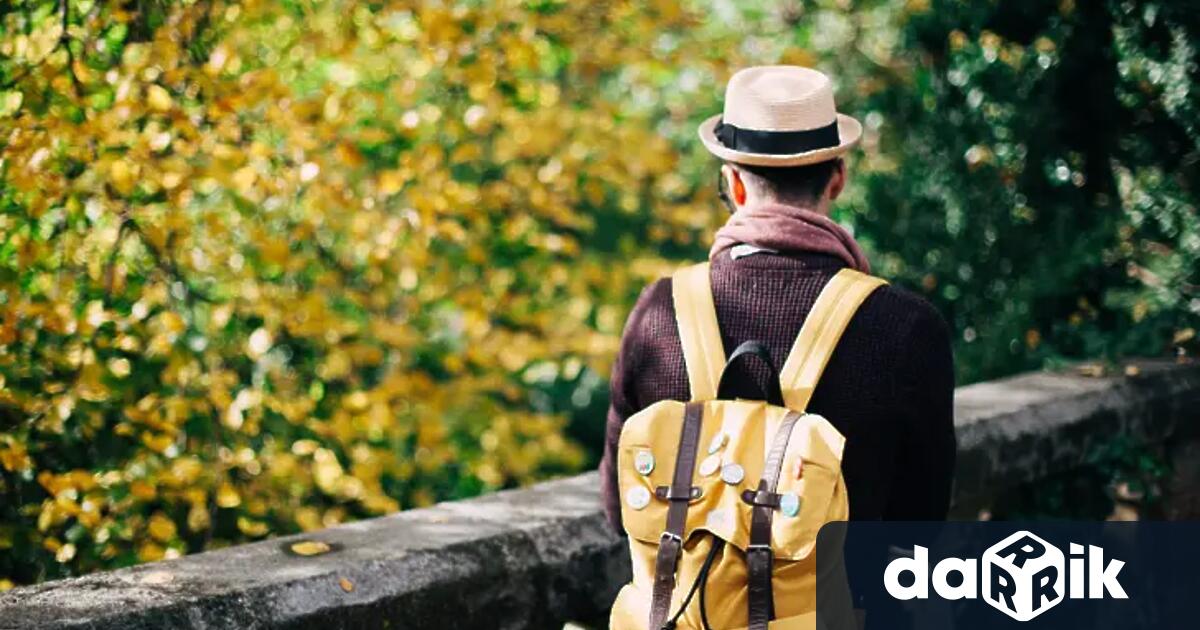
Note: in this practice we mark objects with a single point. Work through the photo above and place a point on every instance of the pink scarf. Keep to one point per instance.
(789, 228)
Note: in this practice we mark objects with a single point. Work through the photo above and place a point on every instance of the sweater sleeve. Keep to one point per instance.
(925, 387)
(623, 402)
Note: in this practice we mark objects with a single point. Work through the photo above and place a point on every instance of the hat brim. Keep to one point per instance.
(849, 131)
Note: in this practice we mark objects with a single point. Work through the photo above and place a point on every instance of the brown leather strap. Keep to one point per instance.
(759, 557)
(665, 493)
(679, 494)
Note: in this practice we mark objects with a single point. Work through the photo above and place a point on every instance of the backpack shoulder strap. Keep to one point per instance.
(819, 335)
(699, 333)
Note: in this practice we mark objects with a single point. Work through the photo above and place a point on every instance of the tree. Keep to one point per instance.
(1036, 177)
(268, 267)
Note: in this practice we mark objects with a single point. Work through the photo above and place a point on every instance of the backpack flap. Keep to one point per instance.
(734, 439)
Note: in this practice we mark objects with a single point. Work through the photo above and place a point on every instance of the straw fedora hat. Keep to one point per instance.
(779, 116)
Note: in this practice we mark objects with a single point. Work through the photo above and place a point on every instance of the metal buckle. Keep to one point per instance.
(757, 547)
(666, 536)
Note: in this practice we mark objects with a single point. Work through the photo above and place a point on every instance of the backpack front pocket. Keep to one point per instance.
(811, 490)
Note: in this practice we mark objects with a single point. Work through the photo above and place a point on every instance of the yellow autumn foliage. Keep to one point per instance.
(268, 267)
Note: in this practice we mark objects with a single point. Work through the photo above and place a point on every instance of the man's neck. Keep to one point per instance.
(821, 206)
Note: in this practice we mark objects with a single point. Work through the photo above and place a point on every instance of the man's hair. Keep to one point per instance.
(798, 184)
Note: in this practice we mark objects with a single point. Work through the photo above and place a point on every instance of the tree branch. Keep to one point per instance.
(110, 270)
(13, 81)
(165, 263)
(64, 40)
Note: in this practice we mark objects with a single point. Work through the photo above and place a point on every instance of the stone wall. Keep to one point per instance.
(536, 557)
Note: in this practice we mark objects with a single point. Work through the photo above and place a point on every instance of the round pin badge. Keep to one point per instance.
(718, 442)
(643, 462)
(637, 497)
(789, 504)
(732, 474)
(710, 465)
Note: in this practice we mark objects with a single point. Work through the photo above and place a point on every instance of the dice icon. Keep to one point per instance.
(1023, 576)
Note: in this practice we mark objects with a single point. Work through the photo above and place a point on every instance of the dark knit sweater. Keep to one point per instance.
(888, 387)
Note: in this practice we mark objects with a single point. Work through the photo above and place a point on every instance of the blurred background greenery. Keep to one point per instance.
(271, 266)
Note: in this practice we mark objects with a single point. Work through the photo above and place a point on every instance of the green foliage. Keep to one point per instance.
(1037, 177)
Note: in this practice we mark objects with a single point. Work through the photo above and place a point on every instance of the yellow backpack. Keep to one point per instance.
(726, 496)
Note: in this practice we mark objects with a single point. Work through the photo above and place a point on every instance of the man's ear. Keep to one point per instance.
(734, 184)
(837, 183)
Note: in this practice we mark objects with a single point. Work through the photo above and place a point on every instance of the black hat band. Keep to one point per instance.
(777, 142)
